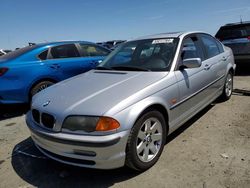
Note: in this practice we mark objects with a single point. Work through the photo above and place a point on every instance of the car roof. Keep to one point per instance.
(237, 24)
(62, 42)
(167, 35)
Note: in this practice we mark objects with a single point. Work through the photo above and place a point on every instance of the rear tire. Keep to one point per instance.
(228, 87)
(40, 86)
(146, 141)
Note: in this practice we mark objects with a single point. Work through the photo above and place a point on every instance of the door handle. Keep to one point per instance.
(224, 58)
(55, 66)
(207, 67)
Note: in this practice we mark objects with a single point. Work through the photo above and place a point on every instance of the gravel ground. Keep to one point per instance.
(212, 150)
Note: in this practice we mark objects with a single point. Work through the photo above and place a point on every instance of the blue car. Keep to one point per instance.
(26, 71)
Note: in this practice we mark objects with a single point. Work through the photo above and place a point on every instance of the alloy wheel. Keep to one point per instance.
(149, 140)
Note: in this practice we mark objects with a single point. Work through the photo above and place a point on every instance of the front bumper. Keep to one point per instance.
(102, 152)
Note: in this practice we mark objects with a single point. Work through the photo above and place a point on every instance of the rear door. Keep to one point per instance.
(63, 60)
(215, 62)
(67, 60)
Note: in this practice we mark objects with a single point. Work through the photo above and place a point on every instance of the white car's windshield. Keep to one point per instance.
(142, 55)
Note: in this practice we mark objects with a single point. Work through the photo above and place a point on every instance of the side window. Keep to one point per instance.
(43, 55)
(191, 49)
(220, 46)
(210, 45)
(92, 50)
(64, 51)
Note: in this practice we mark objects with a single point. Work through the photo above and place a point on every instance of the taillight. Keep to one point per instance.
(248, 37)
(3, 71)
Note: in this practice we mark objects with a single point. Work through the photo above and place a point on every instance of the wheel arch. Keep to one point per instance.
(38, 81)
(160, 108)
(130, 115)
(231, 70)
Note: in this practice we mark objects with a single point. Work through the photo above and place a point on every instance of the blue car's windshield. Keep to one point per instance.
(142, 55)
(17, 53)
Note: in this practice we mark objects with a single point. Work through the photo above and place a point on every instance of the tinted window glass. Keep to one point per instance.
(210, 45)
(191, 49)
(233, 32)
(17, 53)
(220, 46)
(92, 50)
(64, 51)
(43, 55)
(1, 53)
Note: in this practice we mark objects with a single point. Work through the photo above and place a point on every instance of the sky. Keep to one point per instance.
(24, 21)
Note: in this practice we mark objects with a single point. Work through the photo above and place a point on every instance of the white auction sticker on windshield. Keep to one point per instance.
(162, 41)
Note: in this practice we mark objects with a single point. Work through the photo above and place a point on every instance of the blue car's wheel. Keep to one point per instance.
(40, 86)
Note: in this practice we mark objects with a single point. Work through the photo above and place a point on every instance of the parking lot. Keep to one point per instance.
(211, 150)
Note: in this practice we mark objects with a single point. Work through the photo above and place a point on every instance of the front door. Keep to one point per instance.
(192, 82)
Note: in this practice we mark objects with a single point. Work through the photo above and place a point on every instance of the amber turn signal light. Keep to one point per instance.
(107, 124)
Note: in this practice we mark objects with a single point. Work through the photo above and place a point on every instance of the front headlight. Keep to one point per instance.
(90, 123)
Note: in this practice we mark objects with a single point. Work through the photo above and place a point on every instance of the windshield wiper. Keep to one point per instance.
(125, 68)
(102, 68)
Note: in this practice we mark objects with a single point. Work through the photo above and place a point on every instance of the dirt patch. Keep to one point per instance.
(10, 124)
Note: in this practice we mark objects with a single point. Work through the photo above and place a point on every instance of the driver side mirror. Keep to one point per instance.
(191, 63)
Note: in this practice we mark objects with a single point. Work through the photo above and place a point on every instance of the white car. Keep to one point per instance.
(3, 52)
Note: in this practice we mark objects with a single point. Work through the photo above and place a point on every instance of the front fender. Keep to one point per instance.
(128, 116)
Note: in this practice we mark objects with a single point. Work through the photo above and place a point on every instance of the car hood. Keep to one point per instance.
(94, 92)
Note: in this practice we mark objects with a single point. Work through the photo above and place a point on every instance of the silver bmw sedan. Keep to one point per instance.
(122, 112)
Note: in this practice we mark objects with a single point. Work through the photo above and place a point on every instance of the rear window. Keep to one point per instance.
(17, 53)
(231, 32)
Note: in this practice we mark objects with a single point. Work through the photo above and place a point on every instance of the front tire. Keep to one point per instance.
(228, 87)
(146, 141)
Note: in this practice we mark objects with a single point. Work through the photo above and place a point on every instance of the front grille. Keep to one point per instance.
(48, 120)
(36, 115)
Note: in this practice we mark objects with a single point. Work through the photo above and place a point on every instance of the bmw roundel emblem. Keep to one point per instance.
(46, 103)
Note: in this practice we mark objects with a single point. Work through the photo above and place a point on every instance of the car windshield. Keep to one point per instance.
(233, 32)
(142, 55)
(17, 53)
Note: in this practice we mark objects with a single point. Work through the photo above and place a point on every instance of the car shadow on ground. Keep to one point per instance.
(36, 169)
(12, 110)
(190, 122)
